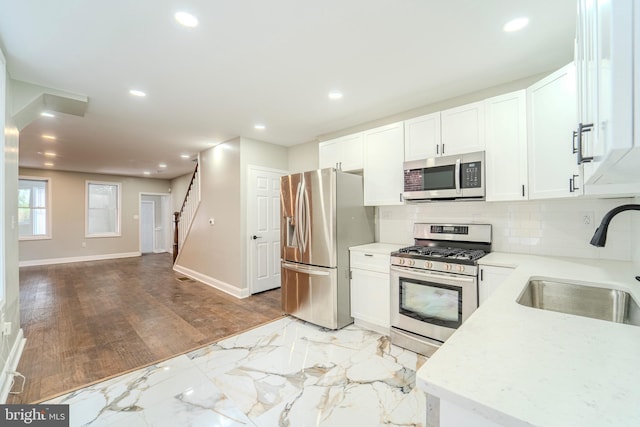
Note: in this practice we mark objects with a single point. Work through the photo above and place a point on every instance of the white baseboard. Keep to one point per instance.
(214, 283)
(77, 259)
(11, 365)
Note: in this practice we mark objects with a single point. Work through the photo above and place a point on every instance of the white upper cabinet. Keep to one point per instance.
(422, 137)
(383, 165)
(551, 113)
(343, 153)
(506, 147)
(462, 129)
(605, 69)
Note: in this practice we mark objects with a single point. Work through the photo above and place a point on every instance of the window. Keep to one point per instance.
(34, 208)
(103, 209)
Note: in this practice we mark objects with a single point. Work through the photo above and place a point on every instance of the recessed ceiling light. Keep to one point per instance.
(49, 154)
(515, 24)
(146, 173)
(259, 126)
(47, 114)
(185, 156)
(48, 164)
(186, 19)
(138, 93)
(335, 94)
(162, 165)
(51, 137)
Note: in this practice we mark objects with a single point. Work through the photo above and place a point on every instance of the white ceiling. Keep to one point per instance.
(253, 61)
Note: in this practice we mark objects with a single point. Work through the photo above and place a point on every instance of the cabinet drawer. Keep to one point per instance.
(371, 261)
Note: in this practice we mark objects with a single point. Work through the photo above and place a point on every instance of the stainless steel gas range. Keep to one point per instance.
(434, 284)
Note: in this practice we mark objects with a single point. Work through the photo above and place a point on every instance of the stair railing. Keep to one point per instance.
(183, 219)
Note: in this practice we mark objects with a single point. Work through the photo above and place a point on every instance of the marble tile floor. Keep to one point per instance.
(284, 373)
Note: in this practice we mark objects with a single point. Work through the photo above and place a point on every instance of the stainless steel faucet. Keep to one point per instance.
(600, 236)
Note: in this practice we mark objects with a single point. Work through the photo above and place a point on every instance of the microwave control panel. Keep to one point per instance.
(471, 176)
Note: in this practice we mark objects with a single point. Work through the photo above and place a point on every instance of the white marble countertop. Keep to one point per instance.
(521, 366)
(378, 248)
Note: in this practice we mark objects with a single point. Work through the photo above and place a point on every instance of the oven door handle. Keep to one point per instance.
(434, 275)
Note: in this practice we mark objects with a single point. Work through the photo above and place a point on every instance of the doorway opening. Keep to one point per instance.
(155, 223)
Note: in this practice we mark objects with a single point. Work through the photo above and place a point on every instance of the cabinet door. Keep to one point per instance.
(341, 153)
(422, 137)
(490, 278)
(329, 154)
(383, 165)
(506, 147)
(551, 115)
(606, 86)
(370, 299)
(463, 129)
(351, 152)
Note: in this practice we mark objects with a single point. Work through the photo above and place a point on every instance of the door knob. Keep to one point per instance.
(254, 237)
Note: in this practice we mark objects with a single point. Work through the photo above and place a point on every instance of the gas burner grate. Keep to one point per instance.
(444, 252)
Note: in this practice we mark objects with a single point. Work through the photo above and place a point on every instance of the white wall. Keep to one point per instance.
(303, 157)
(211, 253)
(551, 227)
(216, 254)
(68, 218)
(9, 262)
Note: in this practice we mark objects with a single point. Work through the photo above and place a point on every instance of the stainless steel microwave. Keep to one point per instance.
(459, 177)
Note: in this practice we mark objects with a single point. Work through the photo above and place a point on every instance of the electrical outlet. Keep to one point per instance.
(6, 328)
(586, 219)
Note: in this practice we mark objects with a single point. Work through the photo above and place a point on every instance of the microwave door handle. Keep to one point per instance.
(457, 173)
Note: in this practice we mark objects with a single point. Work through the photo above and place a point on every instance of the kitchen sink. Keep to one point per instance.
(581, 300)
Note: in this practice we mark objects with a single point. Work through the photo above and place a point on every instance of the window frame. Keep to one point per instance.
(118, 222)
(48, 208)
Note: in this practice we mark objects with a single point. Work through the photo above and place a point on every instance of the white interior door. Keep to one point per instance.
(263, 219)
(147, 226)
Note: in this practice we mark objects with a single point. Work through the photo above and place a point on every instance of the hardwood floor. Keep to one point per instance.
(88, 321)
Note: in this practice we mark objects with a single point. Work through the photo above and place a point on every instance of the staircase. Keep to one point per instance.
(184, 218)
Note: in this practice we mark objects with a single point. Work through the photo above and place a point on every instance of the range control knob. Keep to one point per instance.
(447, 267)
(411, 262)
(428, 264)
(400, 261)
(460, 268)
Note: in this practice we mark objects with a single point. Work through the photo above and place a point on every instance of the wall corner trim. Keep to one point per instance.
(6, 379)
(214, 283)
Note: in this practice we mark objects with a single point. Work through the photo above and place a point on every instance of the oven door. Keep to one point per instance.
(431, 304)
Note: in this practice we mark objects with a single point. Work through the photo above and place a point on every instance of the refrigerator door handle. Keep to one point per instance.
(297, 216)
(304, 270)
(306, 223)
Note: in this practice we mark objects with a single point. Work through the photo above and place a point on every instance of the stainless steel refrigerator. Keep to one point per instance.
(322, 215)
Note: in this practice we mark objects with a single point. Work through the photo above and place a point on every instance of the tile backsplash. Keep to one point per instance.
(548, 227)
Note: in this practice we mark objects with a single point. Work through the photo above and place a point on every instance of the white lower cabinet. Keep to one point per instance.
(370, 298)
(490, 278)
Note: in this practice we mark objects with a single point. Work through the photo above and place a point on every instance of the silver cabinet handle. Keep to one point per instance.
(581, 129)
